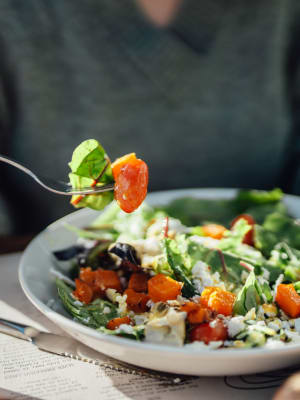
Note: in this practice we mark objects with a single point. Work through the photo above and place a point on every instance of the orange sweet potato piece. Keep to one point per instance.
(87, 275)
(136, 302)
(163, 288)
(288, 300)
(189, 306)
(205, 295)
(119, 163)
(83, 292)
(222, 302)
(218, 300)
(107, 279)
(196, 313)
(116, 322)
(213, 230)
(138, 282)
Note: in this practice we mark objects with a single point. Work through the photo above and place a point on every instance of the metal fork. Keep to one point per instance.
(56, 186)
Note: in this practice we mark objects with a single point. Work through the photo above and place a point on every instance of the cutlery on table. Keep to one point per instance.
(56, 186)
(69, 347)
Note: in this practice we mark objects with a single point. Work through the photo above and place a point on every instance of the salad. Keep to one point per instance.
(196, 272)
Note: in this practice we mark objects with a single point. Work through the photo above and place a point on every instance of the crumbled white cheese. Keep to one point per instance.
(169, 329)
(125, 328)
(174, 226)
(106, 310)
(235, 325)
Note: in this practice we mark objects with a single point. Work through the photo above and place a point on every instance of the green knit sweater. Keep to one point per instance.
(210, 101)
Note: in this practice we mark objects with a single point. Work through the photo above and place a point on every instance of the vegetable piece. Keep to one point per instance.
(92, 314)
(120, 162)
(209, 332)
(116, 322)
(90, 166)
(83, 292)
(196, 314)
(214, 231)
(138, 282)
(131, 181)
(107, 279)
(137, 332)
(176, 262)
(218, 300)
(251, 295)
(126, 252)
(163, 288)
(249, 236)
(288, 300)
(136, 302)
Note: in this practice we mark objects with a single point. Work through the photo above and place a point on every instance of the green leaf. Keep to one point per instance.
(137, 332)
(248, 198)
(91, 315)
(251, 295)
(90, 165)
(234, 237)
(177, 265)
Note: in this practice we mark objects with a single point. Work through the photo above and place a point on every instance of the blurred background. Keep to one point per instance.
(205, 91)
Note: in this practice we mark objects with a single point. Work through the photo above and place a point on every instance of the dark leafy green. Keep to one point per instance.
(91, 315)
(177, 264)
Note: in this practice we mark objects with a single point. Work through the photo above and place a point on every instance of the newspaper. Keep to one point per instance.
(28, 373)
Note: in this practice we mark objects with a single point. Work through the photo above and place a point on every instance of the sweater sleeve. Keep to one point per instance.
(290, 177)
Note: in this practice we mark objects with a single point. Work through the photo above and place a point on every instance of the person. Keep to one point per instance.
(206, 92)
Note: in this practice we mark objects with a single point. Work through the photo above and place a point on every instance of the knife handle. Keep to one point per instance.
(17, 329)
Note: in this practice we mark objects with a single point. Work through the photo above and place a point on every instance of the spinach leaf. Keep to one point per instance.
(90, 165)
(251, 295)
(136, 334)
(177, 264)
(91, 315)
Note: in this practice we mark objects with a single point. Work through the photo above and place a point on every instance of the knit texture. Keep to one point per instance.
(205, 102)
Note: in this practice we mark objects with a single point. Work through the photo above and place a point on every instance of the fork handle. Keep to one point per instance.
(14, 163)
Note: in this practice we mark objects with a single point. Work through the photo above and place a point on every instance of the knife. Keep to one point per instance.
(69, 347)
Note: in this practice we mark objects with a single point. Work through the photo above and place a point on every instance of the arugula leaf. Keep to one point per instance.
(177, 264)
(91, 315)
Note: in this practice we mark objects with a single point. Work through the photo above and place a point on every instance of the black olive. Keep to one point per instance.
(126, 252)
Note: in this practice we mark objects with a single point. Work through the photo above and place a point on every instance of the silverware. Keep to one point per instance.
(69, 347)
(56, 186)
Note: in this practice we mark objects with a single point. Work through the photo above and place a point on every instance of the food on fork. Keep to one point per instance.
(91, 166)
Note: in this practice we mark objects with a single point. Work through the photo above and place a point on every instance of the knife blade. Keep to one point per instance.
(69, 347)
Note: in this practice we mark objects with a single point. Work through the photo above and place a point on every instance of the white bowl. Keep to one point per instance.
(40, 288)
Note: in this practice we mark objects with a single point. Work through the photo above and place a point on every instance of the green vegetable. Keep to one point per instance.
(258, 203)
(277, 228)
(251, 295)
(90, 164)
(91, 315)
(137, 332)
(177, 264)
(233, 238)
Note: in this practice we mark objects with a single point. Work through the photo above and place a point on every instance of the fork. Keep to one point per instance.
(56, 186)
